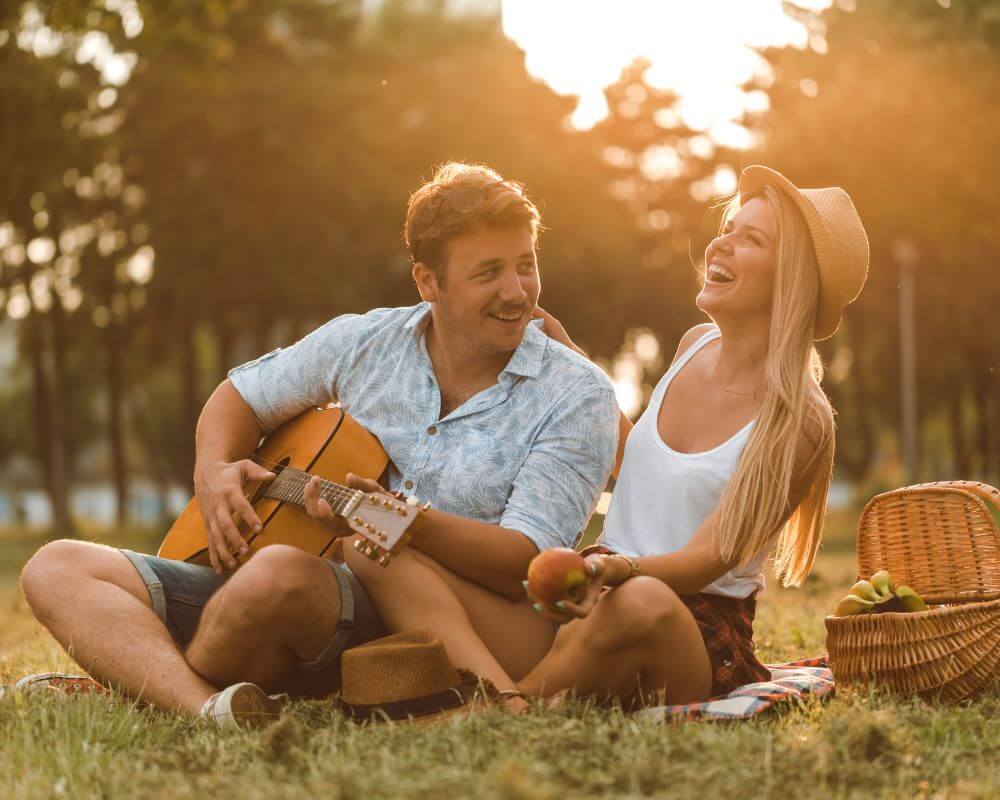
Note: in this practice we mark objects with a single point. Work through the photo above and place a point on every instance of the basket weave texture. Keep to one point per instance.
(942, 540)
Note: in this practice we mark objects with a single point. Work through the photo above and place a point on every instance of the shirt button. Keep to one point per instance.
(408, 484)
(432, 430)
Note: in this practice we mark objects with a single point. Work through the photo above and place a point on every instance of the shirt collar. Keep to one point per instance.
(418, 319)
(527, 359)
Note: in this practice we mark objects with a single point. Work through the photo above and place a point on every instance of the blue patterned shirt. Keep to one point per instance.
(531, 453)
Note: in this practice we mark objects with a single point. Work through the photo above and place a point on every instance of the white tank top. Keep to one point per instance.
(662, 496)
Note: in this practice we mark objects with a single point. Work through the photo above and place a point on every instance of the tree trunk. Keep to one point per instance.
(857, 459)
(987, 407)
(190, 405)
(51, 407)
(959, 446)
(116, 436)
(35, 345)
(261, 334)
(154, 460)
(58, 407)
(224, 347)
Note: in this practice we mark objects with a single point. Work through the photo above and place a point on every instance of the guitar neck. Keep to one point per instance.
(384, 523)
(290, 484)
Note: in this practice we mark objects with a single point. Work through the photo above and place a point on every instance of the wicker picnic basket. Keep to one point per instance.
(942, 540)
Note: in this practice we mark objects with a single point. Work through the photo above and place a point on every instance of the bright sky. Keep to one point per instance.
(701, 49)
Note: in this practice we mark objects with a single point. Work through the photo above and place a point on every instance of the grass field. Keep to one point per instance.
(857, 745)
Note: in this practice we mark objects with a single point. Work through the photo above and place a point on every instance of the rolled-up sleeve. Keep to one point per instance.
(568, 466)
(287, 381)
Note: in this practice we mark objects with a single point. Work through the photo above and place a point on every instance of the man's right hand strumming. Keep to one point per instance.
(219, 489)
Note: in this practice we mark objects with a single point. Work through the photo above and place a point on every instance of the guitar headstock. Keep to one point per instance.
(384, 523)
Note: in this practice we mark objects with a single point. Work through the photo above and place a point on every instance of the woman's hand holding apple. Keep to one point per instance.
(564, 586)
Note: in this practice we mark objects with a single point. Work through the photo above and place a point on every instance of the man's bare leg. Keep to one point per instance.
(280, 609)
(97, 607)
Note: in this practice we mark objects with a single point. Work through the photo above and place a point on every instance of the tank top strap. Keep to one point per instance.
(678, 365)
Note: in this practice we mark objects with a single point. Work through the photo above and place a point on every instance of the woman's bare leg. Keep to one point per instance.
(639, 642)
(484, 632)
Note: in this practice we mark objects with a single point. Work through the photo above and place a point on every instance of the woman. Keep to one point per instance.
(731, 461)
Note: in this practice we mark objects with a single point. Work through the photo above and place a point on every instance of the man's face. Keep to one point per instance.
(490, 289)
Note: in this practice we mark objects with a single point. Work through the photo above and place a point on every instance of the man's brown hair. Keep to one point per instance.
(459, 198)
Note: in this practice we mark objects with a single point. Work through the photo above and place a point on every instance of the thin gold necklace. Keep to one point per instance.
(726, 388)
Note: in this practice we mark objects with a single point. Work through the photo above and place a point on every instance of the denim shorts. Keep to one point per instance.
(179, 592)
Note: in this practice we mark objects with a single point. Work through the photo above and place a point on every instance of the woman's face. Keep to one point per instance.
(739, 265)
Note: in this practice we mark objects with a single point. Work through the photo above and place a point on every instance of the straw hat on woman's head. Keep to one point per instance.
(839, 239)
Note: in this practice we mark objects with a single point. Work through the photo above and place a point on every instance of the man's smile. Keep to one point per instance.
(508, 317)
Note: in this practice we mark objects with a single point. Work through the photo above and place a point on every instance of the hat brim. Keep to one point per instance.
(458, 700)
(753, 179)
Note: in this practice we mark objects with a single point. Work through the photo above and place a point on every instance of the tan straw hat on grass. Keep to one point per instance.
(403, 676)
(838, 236)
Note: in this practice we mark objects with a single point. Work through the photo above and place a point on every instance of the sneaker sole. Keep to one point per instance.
(251, 707)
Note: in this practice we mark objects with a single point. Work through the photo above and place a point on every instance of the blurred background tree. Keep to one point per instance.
(187, 186)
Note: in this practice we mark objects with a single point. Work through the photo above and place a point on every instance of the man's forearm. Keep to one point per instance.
(227, 428)
(489, 555)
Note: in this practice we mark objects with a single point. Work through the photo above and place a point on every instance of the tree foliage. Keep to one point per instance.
(247, 179)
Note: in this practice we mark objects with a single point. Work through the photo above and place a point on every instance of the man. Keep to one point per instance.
(508, 434)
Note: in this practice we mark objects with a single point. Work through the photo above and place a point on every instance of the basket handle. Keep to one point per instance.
(983, 490)
(879, 534)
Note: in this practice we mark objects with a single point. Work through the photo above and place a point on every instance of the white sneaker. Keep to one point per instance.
(243, 705)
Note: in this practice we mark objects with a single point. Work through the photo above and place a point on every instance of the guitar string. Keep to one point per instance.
(339, 492)
(340, 489)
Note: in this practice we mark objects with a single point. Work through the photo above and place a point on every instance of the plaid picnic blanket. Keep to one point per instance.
(796, 679)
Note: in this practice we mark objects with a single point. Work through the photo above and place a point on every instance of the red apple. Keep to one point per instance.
(557, 574)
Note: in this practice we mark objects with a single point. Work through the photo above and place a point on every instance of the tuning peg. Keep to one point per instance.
(382, 535)
(369, 527)
(384, 561)
(359, 545)
(372, 553)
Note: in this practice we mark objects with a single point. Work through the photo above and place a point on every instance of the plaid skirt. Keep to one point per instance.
(726, 625)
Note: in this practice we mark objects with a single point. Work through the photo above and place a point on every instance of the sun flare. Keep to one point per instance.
(704, 51)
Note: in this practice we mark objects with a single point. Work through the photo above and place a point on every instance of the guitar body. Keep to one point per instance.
(322, 441)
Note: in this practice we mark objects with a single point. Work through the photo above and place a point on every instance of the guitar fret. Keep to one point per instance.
(290, 483)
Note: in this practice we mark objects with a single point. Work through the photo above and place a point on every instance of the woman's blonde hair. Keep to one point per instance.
(754, 509)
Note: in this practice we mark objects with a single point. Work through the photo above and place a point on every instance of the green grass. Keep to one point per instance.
(858, 744)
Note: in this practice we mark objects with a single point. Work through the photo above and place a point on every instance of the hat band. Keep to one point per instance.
(402, 709)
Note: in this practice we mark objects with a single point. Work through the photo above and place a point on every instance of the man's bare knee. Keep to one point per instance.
(52, 576)
(278, 582)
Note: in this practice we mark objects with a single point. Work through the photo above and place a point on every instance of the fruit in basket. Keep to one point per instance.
(557, 574)
(909, 600)
(851, 605)
(882, 582)
(866, 591)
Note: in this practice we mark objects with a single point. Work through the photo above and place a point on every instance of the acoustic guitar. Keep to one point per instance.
(328, 443)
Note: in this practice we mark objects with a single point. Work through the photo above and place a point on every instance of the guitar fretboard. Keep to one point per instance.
(290, 484)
